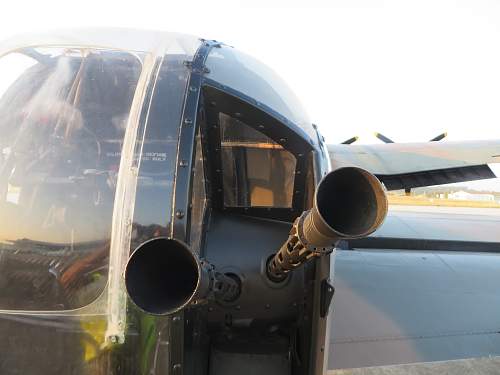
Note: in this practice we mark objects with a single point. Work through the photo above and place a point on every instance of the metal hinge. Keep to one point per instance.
(327, 292)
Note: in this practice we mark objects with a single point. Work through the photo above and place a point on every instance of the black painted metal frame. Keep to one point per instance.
(183, 184)
(235, 104)
(278, 130)
(295, 140)
(186, 143)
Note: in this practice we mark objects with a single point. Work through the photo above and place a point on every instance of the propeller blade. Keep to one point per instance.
(439, 137)
(350, 140)
(383, 138)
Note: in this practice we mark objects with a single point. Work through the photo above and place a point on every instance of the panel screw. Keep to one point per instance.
(179, 214)
(113, 339)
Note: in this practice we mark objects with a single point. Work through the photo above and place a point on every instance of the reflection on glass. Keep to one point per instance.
(153, 211)
(63, 114)
(257, 172)
(249, 76)
(198, 198)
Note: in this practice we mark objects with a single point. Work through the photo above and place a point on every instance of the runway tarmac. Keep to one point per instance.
(442, 223)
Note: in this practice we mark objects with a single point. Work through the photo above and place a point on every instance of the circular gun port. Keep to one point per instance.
(237, 279)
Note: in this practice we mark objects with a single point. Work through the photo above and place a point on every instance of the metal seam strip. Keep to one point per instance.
(183, 185)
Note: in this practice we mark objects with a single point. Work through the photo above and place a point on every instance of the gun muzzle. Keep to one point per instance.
(163, 276)
(349, 202)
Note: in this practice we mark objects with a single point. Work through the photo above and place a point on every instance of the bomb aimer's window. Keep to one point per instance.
(257, 172)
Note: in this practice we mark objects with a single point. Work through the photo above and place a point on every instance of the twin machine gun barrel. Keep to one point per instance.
(164, 275)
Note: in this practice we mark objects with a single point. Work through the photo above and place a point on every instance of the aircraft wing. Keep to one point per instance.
(422, 288)
(410, 165)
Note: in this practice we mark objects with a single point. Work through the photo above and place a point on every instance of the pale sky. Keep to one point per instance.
(408, 69)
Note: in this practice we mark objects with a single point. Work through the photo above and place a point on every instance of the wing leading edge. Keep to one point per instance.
(410, 165)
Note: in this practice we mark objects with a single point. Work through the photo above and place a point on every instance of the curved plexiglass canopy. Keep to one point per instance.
(70, 104)
(89, 124)
(89, 131)
(262, 85)
(110, 38)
